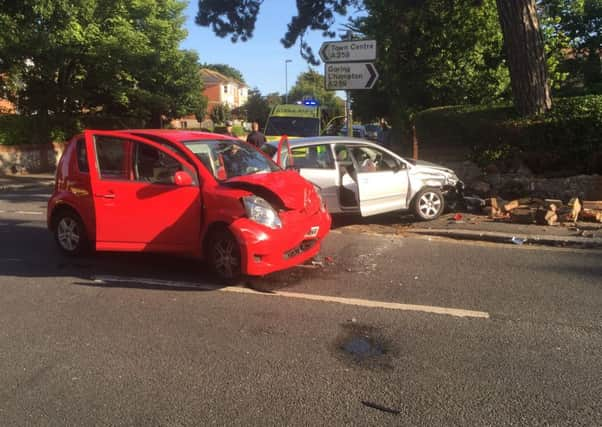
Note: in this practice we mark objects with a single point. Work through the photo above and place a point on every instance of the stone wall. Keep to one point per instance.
(522, 183)
(30, 158)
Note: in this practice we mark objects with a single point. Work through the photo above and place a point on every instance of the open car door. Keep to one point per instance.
(382, 181)
(284, 159)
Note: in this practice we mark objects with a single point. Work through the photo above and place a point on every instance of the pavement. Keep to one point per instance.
(470, 226)
(17, 182)
(581, 234)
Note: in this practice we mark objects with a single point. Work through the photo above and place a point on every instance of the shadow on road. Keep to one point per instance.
(28, 249)
(388, 219)
(27, 195)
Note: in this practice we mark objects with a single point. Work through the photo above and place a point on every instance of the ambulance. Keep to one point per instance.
(293, 120)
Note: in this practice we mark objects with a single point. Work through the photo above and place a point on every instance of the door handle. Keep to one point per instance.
(106, 196)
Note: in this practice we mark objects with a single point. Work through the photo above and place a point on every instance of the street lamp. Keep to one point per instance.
(286, 80)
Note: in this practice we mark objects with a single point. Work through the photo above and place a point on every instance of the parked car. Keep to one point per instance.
(358, 176)
(183, 192)
(358, 131)
(372, 131)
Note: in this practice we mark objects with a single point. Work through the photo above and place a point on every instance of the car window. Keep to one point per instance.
(164, 143)
(154, 166)
(111, 157)
(228, 158)
(370, 159)
(82, 156)
(313, 157)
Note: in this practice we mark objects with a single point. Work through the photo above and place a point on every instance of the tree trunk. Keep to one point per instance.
(526, 57)
(155, 121)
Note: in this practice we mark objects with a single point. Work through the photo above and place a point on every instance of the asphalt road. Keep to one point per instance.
(116, 339)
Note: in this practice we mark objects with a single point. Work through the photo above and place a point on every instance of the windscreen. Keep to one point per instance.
(293, 126)
(227, 158)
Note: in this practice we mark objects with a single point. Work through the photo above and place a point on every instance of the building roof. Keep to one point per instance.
(211, 77)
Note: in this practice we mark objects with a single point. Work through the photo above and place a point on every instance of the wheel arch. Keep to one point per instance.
(211, 230)
(62, 208)
(425, 187)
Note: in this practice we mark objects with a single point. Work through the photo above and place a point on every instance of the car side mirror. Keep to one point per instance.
(182, 179)
(400, 167)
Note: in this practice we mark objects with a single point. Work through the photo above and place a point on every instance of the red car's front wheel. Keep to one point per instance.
(224, 256)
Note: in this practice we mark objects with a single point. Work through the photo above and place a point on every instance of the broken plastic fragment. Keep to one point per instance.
(518, 240)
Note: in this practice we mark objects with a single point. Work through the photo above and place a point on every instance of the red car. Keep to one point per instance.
(188, 193)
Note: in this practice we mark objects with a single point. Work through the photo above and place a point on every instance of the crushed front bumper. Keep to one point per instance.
(265, 250)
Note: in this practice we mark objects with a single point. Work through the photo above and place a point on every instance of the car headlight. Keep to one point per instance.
(260, 211)
(452, 180)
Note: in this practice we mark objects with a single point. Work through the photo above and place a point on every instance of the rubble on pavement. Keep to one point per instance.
(531, 210)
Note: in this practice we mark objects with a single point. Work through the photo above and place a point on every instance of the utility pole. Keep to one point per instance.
(286, 80)
(349, 113)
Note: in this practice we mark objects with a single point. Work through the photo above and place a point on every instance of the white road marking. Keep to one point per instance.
(29, 212)
(312, 297)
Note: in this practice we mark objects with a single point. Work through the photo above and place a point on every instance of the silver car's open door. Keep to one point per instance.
(382, 182)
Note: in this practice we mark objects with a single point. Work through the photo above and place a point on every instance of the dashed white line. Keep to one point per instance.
(456, 312)
(29, 212)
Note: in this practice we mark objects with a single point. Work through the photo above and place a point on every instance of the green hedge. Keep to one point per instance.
(15, 129)
(567, 140)
(236, 130)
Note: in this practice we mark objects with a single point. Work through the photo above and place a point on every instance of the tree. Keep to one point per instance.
(526, 57)
(220, 113)
(226, 70)
(578, 24)
(431, 54)
(310, 85)
(257, 107)
(518, 19)
(77, 58)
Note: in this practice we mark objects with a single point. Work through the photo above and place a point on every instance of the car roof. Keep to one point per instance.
(177, 135)
(314, 140)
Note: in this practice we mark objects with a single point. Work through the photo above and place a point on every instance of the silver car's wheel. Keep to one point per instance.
(429, 204)
(70, 234)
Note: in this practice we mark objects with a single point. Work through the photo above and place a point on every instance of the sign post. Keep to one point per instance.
(346, 67)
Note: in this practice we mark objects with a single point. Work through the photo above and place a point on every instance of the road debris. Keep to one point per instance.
(531, 210)
(518, 240)
(381, 407)
(591, 211)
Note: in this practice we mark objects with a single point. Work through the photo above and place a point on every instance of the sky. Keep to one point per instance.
(260, 59)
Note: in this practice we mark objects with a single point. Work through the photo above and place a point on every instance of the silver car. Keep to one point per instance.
(358, 176)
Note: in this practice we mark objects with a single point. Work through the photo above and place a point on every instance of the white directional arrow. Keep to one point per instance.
(348, 51)
(350, 76)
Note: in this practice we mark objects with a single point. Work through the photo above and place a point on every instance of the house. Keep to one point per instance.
(7, 107)
(219, 89)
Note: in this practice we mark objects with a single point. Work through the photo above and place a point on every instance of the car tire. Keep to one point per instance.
(224, 256)
(428, 204)
(70, 233)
